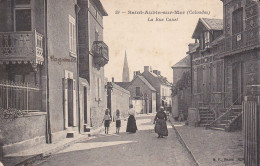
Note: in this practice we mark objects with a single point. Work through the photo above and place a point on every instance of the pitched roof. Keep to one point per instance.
(207, 24)
(145, 81)
(123, 84)
(161, 79)
(215, 42)
(100, 7)
(213, 24)
(164, 81)
(184, 62)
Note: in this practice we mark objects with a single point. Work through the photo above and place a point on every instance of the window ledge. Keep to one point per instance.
(73, 54)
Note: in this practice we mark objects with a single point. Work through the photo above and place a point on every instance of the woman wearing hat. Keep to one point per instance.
(160, 123)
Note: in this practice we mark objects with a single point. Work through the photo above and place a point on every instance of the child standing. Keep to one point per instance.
(118, 121)
(107, 120)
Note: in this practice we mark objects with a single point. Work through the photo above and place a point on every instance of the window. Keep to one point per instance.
(162, 91)
(206, 39)
(98, 88)
(23, 20)
(72, 35)
(237, 21)
(138, 91)
(22, 15)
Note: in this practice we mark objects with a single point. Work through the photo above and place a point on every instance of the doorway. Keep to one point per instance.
(237, 83)
(85, 106)
(70, 102)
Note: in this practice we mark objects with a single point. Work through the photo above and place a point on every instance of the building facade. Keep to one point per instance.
(161, 85)
(181, 92)
(143, 95)
(43, 99)
(241, 54)
(93, 56)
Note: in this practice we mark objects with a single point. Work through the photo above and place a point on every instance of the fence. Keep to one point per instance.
(251, 132)
(19, 96)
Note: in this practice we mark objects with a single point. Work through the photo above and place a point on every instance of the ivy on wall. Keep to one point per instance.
(183, 83)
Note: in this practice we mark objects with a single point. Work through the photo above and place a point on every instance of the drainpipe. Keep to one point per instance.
(191, 75)
(77, 9)
(48, 125)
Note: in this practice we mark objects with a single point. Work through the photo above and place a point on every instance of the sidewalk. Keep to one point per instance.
(211, 147)
(44, 150)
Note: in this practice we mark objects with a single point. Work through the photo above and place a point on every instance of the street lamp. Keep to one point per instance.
(109, 89)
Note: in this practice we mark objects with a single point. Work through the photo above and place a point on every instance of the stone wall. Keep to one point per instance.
(23, 132)
(120, 99)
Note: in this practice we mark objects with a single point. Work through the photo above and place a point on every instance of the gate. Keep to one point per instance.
(251, 132)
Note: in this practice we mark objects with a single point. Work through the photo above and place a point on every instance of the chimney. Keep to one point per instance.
(191, 45)
(155, 72)
(146, 68)
(137, 73)
(113, 79)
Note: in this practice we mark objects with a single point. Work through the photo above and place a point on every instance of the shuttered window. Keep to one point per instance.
(237, 21)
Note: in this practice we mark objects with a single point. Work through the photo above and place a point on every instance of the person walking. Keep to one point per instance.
(131, 123)
(160, 123)
(118, 121)
(107, 120)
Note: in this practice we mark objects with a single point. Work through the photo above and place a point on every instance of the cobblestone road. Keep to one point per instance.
(140, 149)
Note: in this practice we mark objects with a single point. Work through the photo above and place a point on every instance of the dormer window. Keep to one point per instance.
(205, 40)
(237, 21)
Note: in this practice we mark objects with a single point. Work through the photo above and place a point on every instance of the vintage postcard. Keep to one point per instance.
(129, 82)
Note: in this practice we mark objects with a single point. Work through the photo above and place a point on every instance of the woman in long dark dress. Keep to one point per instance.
(131, 123)
(160, 123)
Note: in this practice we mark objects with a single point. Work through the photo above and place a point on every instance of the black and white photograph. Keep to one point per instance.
(129, 83)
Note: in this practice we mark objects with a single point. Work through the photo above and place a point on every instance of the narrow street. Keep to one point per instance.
(142, 148)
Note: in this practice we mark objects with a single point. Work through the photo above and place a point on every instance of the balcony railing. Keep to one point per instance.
(245, 40)
(21, 47)
(101, 56)
(19, 96)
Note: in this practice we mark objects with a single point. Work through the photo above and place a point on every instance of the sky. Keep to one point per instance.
(159, 44)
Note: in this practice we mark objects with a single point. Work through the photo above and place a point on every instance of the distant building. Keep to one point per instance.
(143, 95)
(161, 85)
(125, 75)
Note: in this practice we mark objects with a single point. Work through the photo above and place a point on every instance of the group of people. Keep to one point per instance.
(159, 121)
(131, 123)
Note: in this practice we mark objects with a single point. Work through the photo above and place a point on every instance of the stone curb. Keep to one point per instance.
(52, 151)
(183, 142)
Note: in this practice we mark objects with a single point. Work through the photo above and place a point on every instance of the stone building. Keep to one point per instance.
(42, 97)
(207, 69)
(143, 95)
(240, 50)
(93, 56)
(161, 85)
(182, 95)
